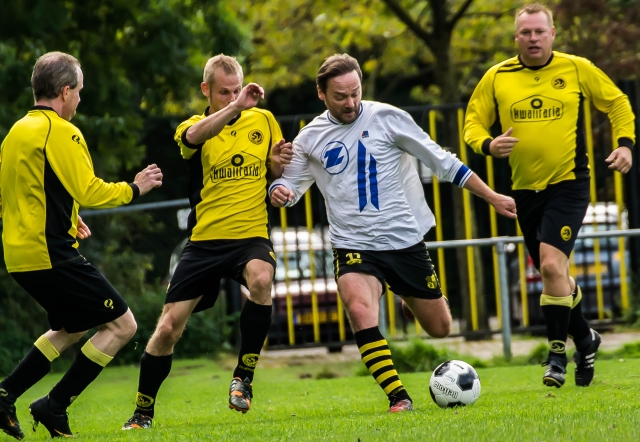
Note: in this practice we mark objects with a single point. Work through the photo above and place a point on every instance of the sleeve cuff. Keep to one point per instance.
(462, 176)
(626, 142)
(485, 146)
(183, 138)
(135, 189)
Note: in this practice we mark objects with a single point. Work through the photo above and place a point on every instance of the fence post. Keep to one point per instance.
(504, 300)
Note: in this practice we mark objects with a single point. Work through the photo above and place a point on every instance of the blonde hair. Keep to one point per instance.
(229, 64)
(534, 8)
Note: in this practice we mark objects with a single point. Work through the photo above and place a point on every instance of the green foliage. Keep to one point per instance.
(142, 61)
(514, 405)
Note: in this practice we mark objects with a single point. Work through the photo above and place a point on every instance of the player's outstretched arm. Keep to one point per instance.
(503, 204)
(148, 178)
(212, 125)
(281, 155)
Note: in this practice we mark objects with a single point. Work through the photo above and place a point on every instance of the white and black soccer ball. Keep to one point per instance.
(454, 383)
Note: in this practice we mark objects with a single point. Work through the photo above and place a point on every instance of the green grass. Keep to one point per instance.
(514, 405)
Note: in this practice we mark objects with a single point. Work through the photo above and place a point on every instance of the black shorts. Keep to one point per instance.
(204, 263)
(552, 216)
(409, 272)
(76, 296)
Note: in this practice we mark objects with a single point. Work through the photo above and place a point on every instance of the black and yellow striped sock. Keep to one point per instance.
(376, 355)
(557, 311)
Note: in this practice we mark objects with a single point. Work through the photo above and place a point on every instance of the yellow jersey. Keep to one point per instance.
(46, 175)
(545, 107)
(228, 176)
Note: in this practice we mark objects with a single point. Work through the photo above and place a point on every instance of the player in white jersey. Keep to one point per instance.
(358, 154)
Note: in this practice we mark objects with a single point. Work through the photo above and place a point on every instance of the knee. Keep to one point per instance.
(550, 269)
(127, 327)
(262, 282)
(359, 309)
(260, 289)
(168, 332)
(442, 328)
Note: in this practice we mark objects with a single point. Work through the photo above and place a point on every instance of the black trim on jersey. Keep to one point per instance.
(135, 189)
(184, 140)
(581, 169)
(234, 119)
(41, 107)
(58, 213)
(535, 68)
(485, 146)
(195, 186)
(626, 142)
(515, 69)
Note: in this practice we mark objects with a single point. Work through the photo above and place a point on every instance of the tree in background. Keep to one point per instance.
(142, 59)
(440, 47)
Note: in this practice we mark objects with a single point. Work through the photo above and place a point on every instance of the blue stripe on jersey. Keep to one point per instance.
(362, 175)
(373, 181)
(461, 176)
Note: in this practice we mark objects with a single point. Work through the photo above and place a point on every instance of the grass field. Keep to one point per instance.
(514, 405)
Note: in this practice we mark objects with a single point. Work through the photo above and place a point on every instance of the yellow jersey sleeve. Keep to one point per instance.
(70, 160)
(481, 114)
(187, 149)
(607, 98)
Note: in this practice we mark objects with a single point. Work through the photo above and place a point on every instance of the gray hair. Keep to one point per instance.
(52, 72)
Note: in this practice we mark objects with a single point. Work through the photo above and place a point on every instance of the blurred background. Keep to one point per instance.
(142, 62)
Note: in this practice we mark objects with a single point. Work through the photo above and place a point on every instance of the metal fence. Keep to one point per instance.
(308, 310)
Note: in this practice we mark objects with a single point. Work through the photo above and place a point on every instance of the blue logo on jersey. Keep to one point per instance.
(335, 157)
(362, 178)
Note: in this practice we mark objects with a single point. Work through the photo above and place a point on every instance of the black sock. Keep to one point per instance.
(376, 355)
(82, 372)
(556, 311)
(255, 320)
(33, 367)
(153, 371)
(579, 329)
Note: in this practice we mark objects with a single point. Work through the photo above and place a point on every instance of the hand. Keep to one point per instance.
(620, 159)
(501, 146)
(281, 153)
(249, 97)
(281, 196)
(148, 179)
(504, 205)
(83, 229)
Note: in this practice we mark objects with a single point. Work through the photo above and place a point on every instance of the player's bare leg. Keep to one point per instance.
(360, 294)
(255, 320)
(433, 315)
(155, 364)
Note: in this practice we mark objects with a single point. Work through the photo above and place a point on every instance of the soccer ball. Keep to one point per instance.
(454, 383)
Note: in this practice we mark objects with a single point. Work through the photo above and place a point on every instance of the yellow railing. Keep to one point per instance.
(474, 297)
